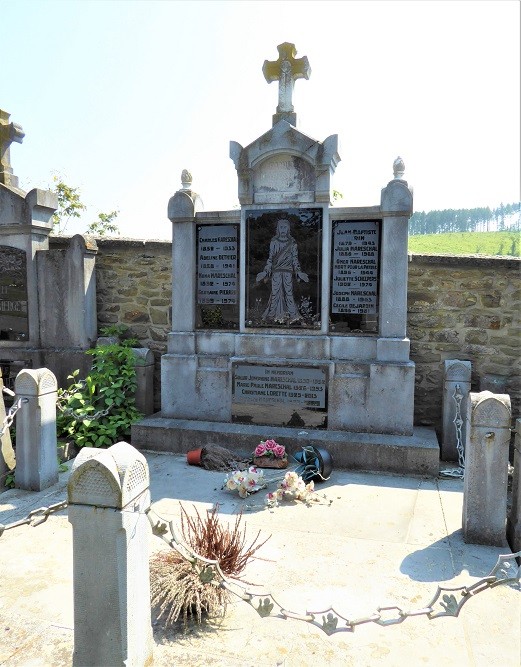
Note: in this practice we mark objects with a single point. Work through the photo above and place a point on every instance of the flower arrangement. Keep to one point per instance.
(270, 454)
(292, 487)
(245, 481)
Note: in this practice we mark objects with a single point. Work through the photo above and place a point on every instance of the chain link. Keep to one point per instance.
(458, 424)
(444, 602)
(80, 417)
(35, 517)
(9, 418)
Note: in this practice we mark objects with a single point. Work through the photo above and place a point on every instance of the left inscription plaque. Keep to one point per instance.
(14, 321)
(217, 277)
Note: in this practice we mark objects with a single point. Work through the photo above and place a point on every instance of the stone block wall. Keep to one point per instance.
(458, 308)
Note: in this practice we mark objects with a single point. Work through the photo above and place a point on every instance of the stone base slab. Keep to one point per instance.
(416, 454)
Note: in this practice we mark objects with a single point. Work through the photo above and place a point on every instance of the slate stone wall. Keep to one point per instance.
(458, 308)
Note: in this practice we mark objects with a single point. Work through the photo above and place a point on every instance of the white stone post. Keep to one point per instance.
(514, 518)
(456, 390)
(144, 367)
(36, 443)
(108, 494)
(486, 469)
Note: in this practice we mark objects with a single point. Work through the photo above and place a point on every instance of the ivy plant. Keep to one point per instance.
(98, 411)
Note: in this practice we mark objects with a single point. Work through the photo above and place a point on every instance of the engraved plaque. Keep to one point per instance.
(294, 396)
(217, 276)
(354, 276)
(283, 250)
(14, 321)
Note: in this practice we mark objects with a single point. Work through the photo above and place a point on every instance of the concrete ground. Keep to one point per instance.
(383, 541)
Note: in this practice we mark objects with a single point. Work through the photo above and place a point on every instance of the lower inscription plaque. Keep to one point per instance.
(280, 395)
(14, 323)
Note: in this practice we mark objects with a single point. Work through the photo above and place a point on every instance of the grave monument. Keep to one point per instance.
(289, 315)
(47, 290)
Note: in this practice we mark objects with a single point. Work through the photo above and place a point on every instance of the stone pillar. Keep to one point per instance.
(144, 366)
(486, 469)
(36, 443)
(108, 494)
(456, 389)
(7, 460)
(514, 518)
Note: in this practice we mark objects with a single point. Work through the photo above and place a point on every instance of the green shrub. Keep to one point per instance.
(98, 411)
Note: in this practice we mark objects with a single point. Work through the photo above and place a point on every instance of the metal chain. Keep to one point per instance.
(69, 412)
(9, 418)
(35, 517)
(506, 571)
(458, 424)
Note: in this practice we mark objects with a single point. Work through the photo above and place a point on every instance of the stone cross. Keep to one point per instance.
(286, 70)
(9, 132)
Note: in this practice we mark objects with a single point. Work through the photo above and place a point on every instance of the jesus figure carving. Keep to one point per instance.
(282, 266)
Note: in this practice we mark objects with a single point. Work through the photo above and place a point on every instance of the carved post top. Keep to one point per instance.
(286, 70)
(9, 133)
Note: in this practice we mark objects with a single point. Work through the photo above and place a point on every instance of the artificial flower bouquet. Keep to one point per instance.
(292, 487)
(245, 481)
(269, 454)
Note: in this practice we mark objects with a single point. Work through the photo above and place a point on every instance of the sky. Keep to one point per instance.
(118, 97)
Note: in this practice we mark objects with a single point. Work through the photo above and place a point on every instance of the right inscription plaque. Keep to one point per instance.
(354, 276)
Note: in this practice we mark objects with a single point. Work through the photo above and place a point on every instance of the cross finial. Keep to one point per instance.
(9, 132)
(286, 70)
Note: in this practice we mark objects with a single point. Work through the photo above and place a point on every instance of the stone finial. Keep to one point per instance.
(9, 132)
(398, 168)
(186, 180)
(286, 70)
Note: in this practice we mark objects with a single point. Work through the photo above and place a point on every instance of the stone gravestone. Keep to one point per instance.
(289, 316)
(47, 287)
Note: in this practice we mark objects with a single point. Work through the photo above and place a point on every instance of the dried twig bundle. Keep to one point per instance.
(177, 589)
(210, 538)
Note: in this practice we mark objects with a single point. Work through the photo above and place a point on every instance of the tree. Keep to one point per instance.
(71, 206)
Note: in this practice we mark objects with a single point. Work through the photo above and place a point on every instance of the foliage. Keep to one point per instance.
(122, 333)
(71, 206)
(180, 588)
(464, 220)
(104, 225)
(99, 410)
(505, 243)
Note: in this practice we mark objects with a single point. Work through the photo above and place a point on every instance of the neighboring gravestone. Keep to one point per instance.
(486, 469)
(108, 495)
(514, 518)
(456, 389)
(47, 294)
(291, 314)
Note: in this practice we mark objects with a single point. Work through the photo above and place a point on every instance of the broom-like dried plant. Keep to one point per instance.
(176, 588)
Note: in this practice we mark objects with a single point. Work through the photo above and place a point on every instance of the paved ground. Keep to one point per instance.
(384, 541)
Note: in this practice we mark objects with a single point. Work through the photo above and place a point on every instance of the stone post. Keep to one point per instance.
(36, 444)
(514, 518)
(144, 366)
(456, 389)
(7, 460)
(108, 494)
(486, 469)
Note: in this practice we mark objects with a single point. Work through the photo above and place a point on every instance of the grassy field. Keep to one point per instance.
(468, 243)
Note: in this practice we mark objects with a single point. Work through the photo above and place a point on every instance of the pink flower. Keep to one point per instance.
(260, 450)
(279, 451)
(270, 445)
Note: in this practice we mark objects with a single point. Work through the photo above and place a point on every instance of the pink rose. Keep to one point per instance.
(270, 444)
(279, 451)
(260, 450)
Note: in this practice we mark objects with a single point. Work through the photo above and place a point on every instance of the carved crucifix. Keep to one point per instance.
(286, 70)
(9, 132)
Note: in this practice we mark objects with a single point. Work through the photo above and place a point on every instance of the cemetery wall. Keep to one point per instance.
(458, 308)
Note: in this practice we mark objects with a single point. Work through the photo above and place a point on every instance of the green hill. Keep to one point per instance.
(506, 243)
